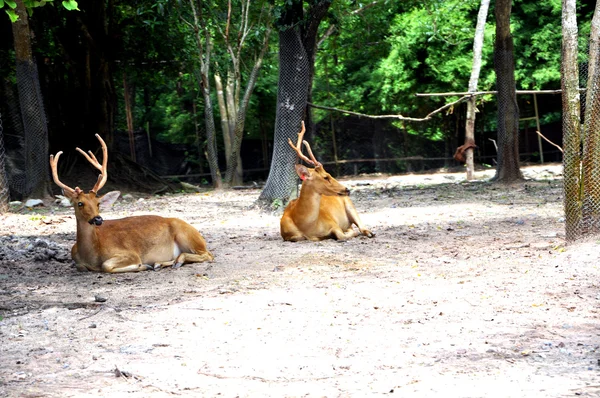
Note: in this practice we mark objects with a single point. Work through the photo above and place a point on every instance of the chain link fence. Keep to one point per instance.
(4, 191)
(292, 96)
(24, 133)
(582, 156)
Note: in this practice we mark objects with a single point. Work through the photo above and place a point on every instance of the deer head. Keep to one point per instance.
(316, 178)
(87, 205)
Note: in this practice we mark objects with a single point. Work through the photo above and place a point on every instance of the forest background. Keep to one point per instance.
(155, 78)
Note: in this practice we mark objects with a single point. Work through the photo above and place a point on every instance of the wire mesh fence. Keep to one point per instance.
(4, 191)
(25, 135)
(292, 94)
(582, 151)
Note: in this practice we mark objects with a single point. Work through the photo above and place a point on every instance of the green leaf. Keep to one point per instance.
(11, 4)
(1, 3)
(70, 5)
(12, 15)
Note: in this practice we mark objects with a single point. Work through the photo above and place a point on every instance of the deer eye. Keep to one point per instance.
(80, 204)
(326, 178)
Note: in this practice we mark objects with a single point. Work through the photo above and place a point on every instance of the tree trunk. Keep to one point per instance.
(95, 22)
(472, 103)
(32, 109)
(204, 46)
(297, 50)
(508, 169)
(129, 117)
(291, 102)
(233, 109)
(234, 174)
(571, 123)
(228, 112)
(590, 220)
(310, 31)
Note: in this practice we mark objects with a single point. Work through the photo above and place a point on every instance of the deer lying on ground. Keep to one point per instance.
(323, 210)
(129, 244)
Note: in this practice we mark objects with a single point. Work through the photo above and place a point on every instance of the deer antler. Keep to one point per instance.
(298, 148)
(102, 167)
(54, 166)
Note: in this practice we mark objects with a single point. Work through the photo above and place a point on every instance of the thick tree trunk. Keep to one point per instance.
(591, 147)
(297, 51)
(32, 109)
(291, 101)
(508, 112)
(571, 123)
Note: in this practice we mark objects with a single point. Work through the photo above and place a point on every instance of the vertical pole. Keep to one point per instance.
(537, 124)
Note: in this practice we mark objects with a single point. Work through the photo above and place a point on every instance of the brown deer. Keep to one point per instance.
(129, 244)
(323, 210)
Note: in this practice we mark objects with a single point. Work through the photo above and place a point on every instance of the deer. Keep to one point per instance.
(323, 210)
(129, 244)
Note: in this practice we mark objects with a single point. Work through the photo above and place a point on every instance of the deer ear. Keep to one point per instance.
(303, 172)
(109, 198)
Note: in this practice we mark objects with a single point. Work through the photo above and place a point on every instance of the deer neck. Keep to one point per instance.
(87, 238)
(308, 204)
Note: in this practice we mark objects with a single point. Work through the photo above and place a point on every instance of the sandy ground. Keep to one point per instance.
(468, 290)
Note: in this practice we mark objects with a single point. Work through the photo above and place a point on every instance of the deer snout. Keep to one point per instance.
(96, 221)
(345, 192)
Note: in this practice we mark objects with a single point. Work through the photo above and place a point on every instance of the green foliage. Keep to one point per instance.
(11, 5)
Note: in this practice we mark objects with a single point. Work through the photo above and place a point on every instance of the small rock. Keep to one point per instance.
(15, 203)
(62, 201)
(128, 196)
(100, 299)
(93, 326)
(34, 202)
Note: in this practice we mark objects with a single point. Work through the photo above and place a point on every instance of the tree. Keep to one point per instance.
(581, 164)
(507, 170)
(203, 41)
(472, 102)
(297, 50)
(30, 98)
(234, 110)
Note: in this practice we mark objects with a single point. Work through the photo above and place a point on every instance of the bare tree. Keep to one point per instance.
(233, 110)
(203, 40)
(472, 102)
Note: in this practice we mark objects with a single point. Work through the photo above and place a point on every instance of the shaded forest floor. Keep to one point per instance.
(468, 290)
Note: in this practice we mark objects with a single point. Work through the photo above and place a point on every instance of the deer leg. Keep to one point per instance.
(355, 219)
(289, 230)
(125, 263)
(163, 264)
(341, 235)
(192, 258)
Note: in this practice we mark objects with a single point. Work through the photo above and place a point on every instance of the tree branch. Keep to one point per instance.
(399, 117)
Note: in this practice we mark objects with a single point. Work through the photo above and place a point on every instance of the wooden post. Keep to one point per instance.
(537, 125)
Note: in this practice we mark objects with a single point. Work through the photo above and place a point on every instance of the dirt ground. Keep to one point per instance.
(467, 290)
